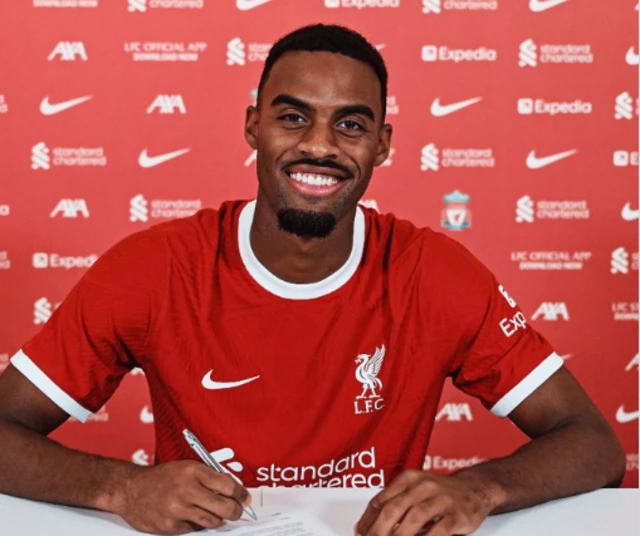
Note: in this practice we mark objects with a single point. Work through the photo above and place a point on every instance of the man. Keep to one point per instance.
(310, 335)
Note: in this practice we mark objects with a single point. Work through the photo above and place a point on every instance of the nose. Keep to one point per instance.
(319, 141)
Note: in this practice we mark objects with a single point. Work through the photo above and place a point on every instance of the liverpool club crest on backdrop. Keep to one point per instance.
(367, 370)
(456, 215)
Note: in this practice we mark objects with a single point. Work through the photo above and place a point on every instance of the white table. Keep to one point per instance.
(611, 511)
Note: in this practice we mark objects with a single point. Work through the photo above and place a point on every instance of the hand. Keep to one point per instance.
(179, 497)
(443, 505)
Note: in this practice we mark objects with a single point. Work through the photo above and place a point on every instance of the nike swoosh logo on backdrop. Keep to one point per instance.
(246, 5)
(440, 110)
(46, 108)
(628, 214)
(208, 383)
(538, 6)
(534, 162)
(146, 161)
(623, 416)
(632, 58)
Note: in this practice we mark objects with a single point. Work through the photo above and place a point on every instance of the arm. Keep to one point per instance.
(573, 450)
(175, 497)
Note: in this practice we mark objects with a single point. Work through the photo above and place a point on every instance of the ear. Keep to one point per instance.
(251, 126)
(384, 144)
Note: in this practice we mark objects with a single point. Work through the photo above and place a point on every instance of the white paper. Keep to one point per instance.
(277, 522)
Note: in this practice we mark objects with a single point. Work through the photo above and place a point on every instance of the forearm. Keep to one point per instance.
(36, 467)
(571, 459)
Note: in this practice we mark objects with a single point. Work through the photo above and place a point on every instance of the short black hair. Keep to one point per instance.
(329, 38)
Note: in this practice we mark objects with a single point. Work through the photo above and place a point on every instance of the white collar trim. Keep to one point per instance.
(298, 291)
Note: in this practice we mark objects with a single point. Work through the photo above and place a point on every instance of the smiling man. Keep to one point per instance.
(309, 335)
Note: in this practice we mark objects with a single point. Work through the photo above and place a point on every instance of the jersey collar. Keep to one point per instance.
(298, 291)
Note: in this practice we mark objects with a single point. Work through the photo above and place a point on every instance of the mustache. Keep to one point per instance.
(331, 164)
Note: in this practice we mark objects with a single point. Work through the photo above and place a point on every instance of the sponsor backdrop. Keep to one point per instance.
(515, 132)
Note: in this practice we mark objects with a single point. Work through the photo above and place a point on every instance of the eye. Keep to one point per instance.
(350, 124)
(292, 118)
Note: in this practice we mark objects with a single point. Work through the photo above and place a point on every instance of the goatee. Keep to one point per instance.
(306, 223)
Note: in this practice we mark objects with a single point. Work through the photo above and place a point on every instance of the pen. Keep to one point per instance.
(210, 461)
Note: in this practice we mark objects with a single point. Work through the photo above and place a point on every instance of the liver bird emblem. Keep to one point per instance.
(367, 372)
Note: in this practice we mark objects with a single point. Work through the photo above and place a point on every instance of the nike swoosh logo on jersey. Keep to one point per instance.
(246, 5)
(628, 214)
(533, 162)
(623, 416)
(208, 383)
(440, 110)
(46, 108)
(538, 6)
(147, 161)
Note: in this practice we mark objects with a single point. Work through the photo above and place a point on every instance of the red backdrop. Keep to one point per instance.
(118, 114)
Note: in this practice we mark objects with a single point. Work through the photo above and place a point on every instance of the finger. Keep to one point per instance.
(216, 504)
(393, 513)
(426, 514)
(397, 486)
(444, 527)
(202, 519)
(222, 483)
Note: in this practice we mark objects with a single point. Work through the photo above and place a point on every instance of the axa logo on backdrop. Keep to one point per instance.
(552, 311)
(455, 412)
(167, 104)
(69, 51)
(42, 261)
(70, 208)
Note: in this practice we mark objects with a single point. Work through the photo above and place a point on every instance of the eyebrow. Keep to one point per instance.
(361, 109)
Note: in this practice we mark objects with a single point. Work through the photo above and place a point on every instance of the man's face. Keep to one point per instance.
(319, 133)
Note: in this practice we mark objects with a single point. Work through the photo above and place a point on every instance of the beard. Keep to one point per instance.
(306, 223)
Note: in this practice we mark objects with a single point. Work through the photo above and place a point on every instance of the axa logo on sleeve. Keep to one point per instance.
(432, 53)
(54, 260)
(455, 412)
(355, 470)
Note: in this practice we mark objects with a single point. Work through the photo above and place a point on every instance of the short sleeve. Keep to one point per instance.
(99, 331)
(499, 359)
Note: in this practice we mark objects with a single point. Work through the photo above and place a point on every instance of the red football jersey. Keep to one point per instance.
(334, 383)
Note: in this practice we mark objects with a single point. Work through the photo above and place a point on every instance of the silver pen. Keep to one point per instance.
(211, 462)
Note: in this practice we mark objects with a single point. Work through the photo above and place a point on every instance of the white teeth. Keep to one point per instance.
(314, 179)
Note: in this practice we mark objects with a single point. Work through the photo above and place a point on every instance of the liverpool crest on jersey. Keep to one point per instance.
(367, 370)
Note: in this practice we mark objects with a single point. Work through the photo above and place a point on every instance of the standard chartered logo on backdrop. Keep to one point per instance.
(141, 6)
(42, 310)
(429, 158)
(437, 6)
(40, 158)
(528, 54)
(235, 52)
(138, 209)
(624, 106)
(620, 262)
(524, 210)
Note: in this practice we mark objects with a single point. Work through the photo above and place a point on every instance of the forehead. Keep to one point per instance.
(323, 79)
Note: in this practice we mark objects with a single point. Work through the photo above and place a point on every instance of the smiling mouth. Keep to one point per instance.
(314, 179)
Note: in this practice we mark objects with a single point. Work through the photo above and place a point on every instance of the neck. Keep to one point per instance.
(298, 259)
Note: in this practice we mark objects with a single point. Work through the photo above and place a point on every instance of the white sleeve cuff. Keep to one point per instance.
(528, 385)
(35, 375)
